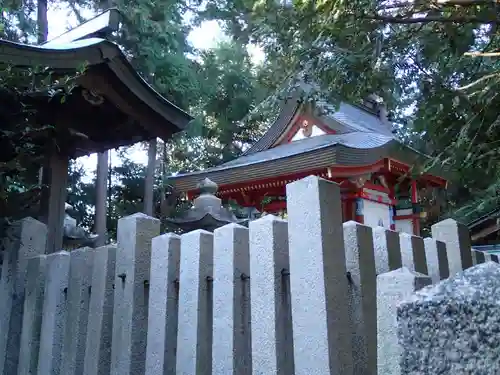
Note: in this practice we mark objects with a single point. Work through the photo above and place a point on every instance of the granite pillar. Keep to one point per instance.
(272, 340)
(478, 257)
(29, 346)
(97, 360)
(393, 288)
(131, 298)
(452, 327)
(24, 239)
(437, 260)
(458, 244)
(413, 253)
(360, 263)
(55, 308)
(78, 298)
(387, 250)
(194, 337)
(494, 258)
(163, 305)
(319, 285)
(232, 347)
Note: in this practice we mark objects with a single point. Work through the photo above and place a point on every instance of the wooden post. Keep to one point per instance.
(55, 178)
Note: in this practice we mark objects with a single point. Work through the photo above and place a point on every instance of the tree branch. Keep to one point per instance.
(438, 3)
(429, 19)
(483, 78)
(482, 54)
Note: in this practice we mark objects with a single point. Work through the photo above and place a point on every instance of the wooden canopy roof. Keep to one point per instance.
(352, 136)
(111, 106)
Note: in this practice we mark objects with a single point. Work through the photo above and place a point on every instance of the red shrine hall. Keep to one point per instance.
(352, 145)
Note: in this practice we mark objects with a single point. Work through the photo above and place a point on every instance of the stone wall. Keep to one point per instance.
(310, 295)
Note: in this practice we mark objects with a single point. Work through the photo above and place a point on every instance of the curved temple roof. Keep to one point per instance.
(350, 149)
(95, 51)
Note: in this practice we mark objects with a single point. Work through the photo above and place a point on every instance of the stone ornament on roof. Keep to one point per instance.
(207, 212)
(207, 186)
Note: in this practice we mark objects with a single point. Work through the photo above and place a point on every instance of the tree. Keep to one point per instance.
(428, 60)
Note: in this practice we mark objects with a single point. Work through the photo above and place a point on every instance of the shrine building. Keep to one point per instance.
(352, 145)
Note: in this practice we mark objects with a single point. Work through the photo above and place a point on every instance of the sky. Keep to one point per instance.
(206, 36)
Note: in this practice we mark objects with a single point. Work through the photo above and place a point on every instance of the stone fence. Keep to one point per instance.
(300, 296)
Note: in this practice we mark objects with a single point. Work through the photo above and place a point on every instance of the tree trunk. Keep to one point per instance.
(149, 183)
(101, 195)
(163, 190)
(42, 22)
(42, 34)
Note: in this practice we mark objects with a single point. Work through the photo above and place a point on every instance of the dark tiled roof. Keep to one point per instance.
(94, 51)
(344, 119)
(354, 119)
(287, 113)
(352, 149)
(359, 140)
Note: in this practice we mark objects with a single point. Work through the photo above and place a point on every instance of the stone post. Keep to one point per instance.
(131, 298)
(458, 244)
(452, 327)
(163, 305)
(272, 340)
(360, 263)
(100, 320)
(78, 296)
(392, 288)
(319, 285)
(232, 347)
(32, 317)
(55, 308)
(387, 250)
(413, 253)
(437, 260)
(478, 257)
(491, 258)
(194, 338)
(25, 238)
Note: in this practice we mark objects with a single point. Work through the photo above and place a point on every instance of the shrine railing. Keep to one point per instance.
(300, 296)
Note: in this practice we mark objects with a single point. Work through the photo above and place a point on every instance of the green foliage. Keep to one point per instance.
(413, 54)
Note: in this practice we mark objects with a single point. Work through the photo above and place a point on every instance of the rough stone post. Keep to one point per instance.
(478, 257)
(78, 297)
(100, 319)
(458, 244)
(319, 285)
(32, 318)
(392, 288)
(272, 340)
(55, 308)
(360, 263)
(413, 253)
(452, 327)
(387, 250)
(25, 238)
(232, 347)
(437, 260)
(492, 258)
(131, 298)
(163, 305)
(194, 337)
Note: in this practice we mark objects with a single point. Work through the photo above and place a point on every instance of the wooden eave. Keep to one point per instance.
(335, 155)
(108, 73)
